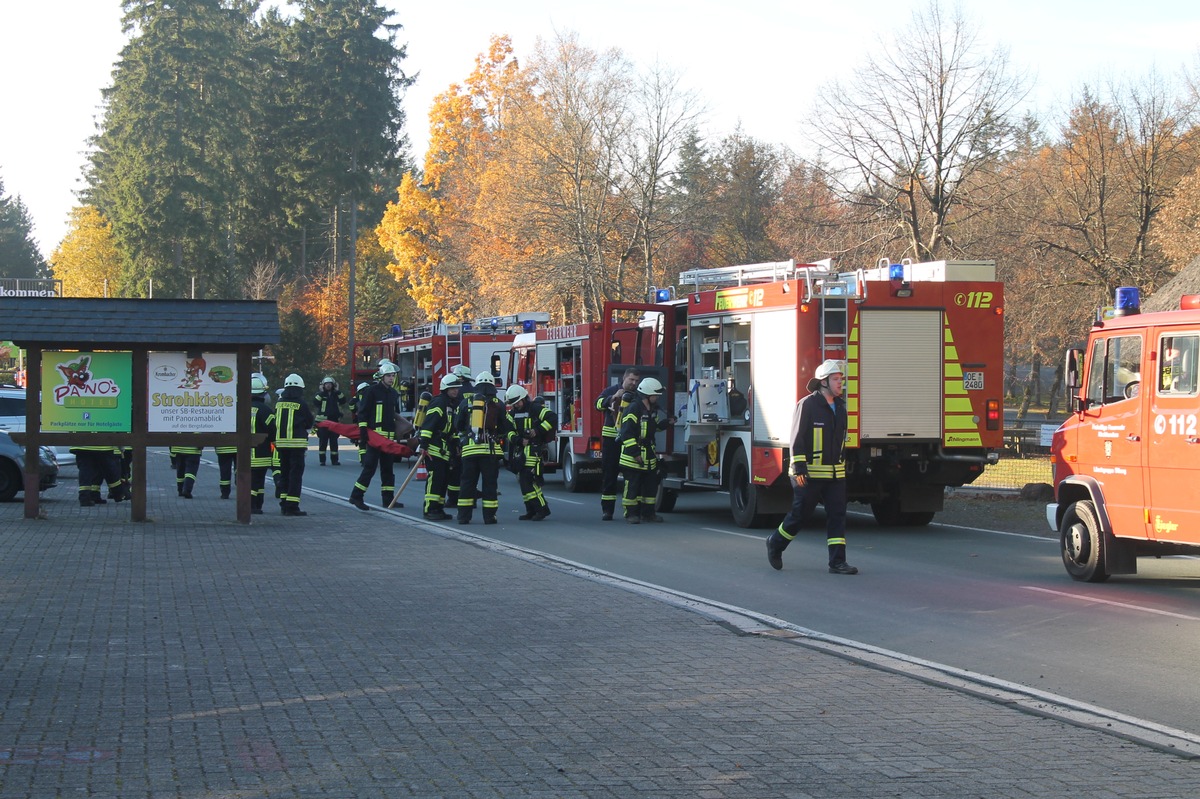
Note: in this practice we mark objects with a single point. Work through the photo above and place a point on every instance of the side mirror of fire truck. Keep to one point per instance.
(1071, 368)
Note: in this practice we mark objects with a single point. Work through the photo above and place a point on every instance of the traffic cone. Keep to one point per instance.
(422, 473)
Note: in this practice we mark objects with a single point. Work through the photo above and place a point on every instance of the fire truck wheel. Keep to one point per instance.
(887, 512)
(744, 497)
(1082, 543)
(571, 481)
(666, 499)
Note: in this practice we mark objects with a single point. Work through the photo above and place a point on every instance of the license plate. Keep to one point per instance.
(973, 381)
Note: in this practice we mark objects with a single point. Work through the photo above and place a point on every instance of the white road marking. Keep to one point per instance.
(1126, 605)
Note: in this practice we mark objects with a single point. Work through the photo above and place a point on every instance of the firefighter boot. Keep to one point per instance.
(321, 458)
(333, 459)
(631, 515)
(776, 543)
(356, 499)
(387, 497)
(531, 509)
(464, 515)
(542, 512)
(607, 506)
(489, 517)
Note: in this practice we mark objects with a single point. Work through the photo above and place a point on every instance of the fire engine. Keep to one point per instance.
(923, 347)
(1125, 461)
(424, 354)
(568, 366)
(923, 344)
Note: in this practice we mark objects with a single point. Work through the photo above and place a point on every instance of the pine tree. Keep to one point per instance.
(19, 255)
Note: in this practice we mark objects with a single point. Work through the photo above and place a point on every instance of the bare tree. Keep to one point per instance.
(662, 115)
(264, 282)
(915, 136)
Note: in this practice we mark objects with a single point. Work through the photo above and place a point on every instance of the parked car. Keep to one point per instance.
(12, 419)
(12, 467)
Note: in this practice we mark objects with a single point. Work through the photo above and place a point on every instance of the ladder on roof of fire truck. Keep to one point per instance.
(454, 348)
(833, 290)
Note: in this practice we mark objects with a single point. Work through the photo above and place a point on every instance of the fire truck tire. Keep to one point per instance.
(666, 499)
(745, 499)
(1082, 543)
(572, 481)
(887, 512)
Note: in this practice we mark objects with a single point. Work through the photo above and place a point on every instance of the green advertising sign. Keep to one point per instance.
(87, 392)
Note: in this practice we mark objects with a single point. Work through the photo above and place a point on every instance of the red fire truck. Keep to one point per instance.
(923, 347)
(426, 353)
(1126, 464)
(569, 366)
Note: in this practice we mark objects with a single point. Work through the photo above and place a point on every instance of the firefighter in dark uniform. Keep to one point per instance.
(226, 460)
(639, 459)
(454, 472)
(532, 426)
(97, 465)
(327, 405)
(482, 427)
(187, 464)
(379, 410)
(262, 420)
(437, 438)
(293, 420)
(611, 402)
(818, 468)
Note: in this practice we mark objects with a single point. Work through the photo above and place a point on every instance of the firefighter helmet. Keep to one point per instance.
(462, 370)
(485, 377)
(828, 368)
(649, 387)
(361, 386)
(450, 381)
(515, 394)
(388, 368)
(293, 380)
(328, 379)
(258, 384)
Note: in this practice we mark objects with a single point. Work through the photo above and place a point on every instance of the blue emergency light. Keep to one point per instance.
(397, 331)
(662, 295)
(1128, 301)
(896, 272)
(899, 285)
(529, 326)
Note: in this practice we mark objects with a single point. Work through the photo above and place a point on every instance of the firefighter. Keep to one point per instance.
(482, 427)
(359, 392)
(531, 425)
(639, 460)
(436, 441)
(454, 472)
(611, 403)
(293, 420)
(98, 465)
(327, 405)
(818, 468)
(262, 420)
(226, 459)
(379, 411)
(187, 464)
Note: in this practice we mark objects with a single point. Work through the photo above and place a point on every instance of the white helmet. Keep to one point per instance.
(515, 394)
(649, 387)
(258, 384)
(828, 368)
(361, 386)
(450, 381)
(462, 370)
(485, 377)
(328, 379)
(388, 368)
(293, 380)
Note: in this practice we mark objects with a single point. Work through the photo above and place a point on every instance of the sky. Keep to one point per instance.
(757, 64)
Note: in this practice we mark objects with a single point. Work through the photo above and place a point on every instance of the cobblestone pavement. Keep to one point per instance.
(353, 655)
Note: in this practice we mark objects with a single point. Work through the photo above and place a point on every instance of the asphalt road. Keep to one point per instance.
(984, 592)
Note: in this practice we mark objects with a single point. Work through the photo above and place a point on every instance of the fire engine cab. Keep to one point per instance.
(1127, 461)
(923, 347)
(568, 366)
(425, 354)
